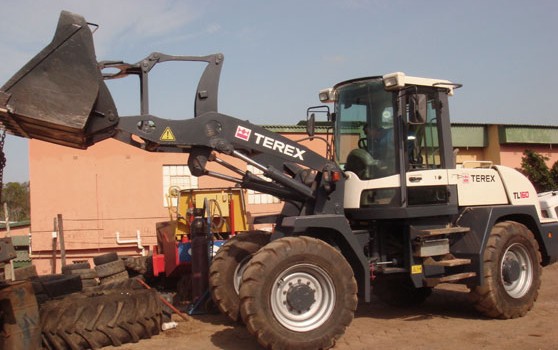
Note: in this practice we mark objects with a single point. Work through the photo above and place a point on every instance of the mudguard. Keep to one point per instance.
(481, 220)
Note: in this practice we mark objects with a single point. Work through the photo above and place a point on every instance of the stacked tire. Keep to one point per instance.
(115, 310)
(87, 275)
(55, 286)
(110, 268)
(138, 265)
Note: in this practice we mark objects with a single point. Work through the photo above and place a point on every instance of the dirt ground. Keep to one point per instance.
(446, 320)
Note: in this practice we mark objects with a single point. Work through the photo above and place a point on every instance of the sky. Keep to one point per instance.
(279, 54)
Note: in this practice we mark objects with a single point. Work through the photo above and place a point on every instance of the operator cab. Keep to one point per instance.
(386, 128)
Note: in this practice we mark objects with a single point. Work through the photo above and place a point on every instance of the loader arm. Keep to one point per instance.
(279, 158)
(60, 96)
(208, 86)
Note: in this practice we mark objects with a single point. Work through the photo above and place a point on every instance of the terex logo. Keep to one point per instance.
(242, 133)
(279, 146)
(483, 178)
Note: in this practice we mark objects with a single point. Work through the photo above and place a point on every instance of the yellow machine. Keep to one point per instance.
(225, 208)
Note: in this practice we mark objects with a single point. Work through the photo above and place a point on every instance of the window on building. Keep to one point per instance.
(177, 176)
(255, 197)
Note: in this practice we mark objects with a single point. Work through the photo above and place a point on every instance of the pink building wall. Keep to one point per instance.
(111, 187)
(99, 192)
(15, 231)
(510, 154)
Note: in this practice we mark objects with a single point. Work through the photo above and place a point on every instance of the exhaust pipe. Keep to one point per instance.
(60, 96)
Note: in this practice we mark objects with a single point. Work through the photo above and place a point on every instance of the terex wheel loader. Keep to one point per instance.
(387, 211)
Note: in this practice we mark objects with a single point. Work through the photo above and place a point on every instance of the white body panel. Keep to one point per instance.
(436, 177)
(498, 185)
(354, 187)
(478, 186)
(519, 189)
(549, 203)
(474, 186)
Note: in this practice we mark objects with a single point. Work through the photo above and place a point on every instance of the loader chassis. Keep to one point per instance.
(425, 218)
(389, 210)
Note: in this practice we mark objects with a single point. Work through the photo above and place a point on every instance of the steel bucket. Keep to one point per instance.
(60, 96)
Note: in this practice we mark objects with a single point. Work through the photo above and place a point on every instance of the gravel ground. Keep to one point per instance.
(446, 320)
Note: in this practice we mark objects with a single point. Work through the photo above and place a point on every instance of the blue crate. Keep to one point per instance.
(185, 250)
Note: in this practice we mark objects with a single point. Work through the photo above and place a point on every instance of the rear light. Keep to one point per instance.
(335, 176)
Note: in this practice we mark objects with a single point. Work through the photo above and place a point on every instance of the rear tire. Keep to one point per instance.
(298, 293)
(512, 272)
(227, 267)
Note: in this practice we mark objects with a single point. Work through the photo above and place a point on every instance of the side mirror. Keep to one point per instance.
(417, 109)
(311, 118)
(311, 124)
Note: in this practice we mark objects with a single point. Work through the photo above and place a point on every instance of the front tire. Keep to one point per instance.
(298, 293)
(512, 272)
(227, 267)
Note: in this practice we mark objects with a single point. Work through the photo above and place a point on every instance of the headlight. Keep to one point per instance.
(394, 81)
(326, 95)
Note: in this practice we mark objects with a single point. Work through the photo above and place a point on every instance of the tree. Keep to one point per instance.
(554, 173)
(16, 196)
(533, 165)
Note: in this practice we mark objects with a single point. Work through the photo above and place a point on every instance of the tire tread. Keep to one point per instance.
(222, 269)
(97, 320)
(486, 298)
(271, 335)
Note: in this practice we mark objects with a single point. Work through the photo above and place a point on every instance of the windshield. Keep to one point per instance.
(365, 133)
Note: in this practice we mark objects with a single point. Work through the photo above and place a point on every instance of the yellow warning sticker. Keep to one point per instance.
(167, 135)
(416, 269)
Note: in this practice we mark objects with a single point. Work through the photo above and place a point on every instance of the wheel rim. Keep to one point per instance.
(516, 271)
(303, 297)
(239, 271)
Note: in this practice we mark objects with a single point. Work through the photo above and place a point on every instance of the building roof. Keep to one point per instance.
(463, 134)
(300, 127)
(528, 134)
(15, 224)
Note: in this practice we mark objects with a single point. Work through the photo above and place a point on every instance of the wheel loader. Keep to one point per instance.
(386, 212)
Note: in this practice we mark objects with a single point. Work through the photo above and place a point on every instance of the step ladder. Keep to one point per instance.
(432, 245)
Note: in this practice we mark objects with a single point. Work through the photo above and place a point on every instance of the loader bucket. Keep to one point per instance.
(59, 96)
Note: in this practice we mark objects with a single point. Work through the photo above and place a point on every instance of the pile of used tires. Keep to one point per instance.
(89, 308)
(87, 275)
(110, 268)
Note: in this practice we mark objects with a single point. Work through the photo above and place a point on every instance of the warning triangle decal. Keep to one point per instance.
(167, 135)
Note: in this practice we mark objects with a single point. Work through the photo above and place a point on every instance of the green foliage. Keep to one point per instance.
(16, 196)
(534, 167)
(554, 172)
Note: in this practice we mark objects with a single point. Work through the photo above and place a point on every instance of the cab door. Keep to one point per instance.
(428, 153)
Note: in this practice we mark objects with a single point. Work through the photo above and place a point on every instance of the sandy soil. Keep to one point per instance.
(446, 320)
